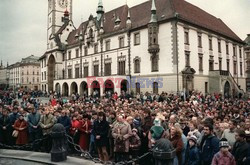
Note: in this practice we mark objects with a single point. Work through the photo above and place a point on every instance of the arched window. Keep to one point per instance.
(155, 87)
(137, 66)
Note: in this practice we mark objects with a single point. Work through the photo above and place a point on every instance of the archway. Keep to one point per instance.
(109, 86)
(73, 88)
(65, 89)
(58, 88)
(95, 88)
(227, 90)
(51, 72)
(84, 89)
(124, 86)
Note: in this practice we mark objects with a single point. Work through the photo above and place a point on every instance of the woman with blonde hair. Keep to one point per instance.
(175, 138)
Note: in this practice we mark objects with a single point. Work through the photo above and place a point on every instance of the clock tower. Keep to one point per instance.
(56, 9)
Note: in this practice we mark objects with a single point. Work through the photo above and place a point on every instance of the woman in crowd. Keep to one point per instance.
(84, 129)
(21, 127)
(175, 138)
(121, 133)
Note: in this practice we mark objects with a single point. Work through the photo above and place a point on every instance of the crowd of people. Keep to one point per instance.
(203, 129)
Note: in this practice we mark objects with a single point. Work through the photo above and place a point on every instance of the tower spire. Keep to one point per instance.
(128, 22)
(153, 12)
(99, 10)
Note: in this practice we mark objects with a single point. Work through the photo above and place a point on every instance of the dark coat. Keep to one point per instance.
(192, 156)
(4, 134)
(65, 121)
(33, 120)
(208, 148)
(239, 152)
(101, 128)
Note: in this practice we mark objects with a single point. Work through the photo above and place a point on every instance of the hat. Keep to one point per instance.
(136, 122)
(193, 138)
(223, 144)
(157, 122)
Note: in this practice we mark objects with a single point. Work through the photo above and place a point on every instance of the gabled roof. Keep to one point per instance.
(166, 9)
(247, 40)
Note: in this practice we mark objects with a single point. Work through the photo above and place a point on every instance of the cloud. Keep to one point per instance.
(24, 22)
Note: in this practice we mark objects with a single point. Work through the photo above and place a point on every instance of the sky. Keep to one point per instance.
(23, 23)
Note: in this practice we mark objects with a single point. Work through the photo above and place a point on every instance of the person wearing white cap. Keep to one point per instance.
(223, 156)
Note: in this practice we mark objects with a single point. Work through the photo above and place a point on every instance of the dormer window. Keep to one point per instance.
(91, 33)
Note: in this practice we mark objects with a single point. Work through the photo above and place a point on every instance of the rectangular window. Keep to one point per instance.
(77, 53)
(86, 71)
(240, 52)
(69, 55)
(121, 42)
(121, 67)
(45, 77)
(228, 64)
(37, 79)
(219, 46)
(63, 57)
(63, 74)
(199, 40)
(210, 43)
(211, 65)
(107, 69)
(200, 62)
(137, 39)
(96, 70)
(187, 58)
(186, 36)
(220, 63)
(241, 72)
(235, 67)
(206, 87)
(96, 48)
(77, 73)
(85, 50)
(154, 64)
(42, 75)
(234, 50)
(69, 73)
(227, 48)
(107, 43)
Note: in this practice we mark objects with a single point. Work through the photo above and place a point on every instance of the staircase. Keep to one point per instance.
(217, 80)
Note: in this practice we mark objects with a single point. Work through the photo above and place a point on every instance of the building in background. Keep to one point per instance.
(247, 52)
(3, 77)
(156, 46)
(25, 74)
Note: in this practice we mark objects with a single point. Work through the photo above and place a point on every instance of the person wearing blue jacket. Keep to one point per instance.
(209, 145)
(64, 120)
(192, 152)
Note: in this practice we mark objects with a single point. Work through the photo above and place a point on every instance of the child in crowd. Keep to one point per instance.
(223, 157)
(192, 155)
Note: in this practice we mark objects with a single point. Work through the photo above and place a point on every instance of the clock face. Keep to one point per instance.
(63, 3)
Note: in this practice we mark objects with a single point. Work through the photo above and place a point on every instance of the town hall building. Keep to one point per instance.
(156, 46)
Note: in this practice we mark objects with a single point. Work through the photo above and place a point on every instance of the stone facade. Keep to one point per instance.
(162, 49)
(25, 74)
